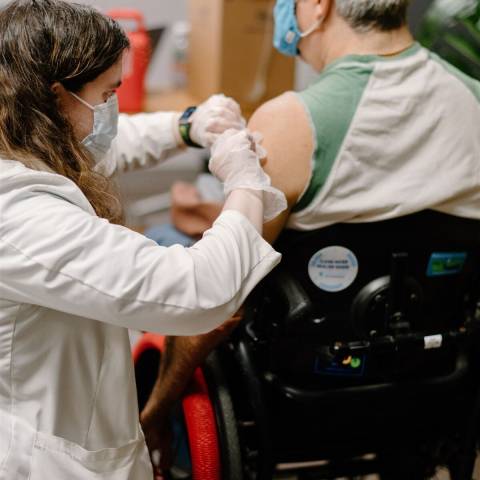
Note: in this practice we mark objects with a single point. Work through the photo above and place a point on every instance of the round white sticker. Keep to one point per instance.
(333, 269)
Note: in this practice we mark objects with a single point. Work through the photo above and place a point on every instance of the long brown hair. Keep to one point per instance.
(43, 42)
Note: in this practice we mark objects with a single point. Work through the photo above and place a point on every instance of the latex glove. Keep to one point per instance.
(213, 117)
(235, 161)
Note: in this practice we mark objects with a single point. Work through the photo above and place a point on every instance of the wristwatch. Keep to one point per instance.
(184, 125)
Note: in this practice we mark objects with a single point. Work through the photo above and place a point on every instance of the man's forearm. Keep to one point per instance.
(178, 362)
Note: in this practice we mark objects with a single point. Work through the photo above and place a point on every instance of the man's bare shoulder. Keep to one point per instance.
(288, 138)
(284, 115)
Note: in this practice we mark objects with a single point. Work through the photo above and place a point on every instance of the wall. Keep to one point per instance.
(157, 13)
(165, 12)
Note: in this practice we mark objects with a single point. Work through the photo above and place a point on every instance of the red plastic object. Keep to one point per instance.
(199, 417)
(148, 341)
(132, 92)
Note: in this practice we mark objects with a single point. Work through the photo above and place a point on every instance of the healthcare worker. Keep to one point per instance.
(71, 279)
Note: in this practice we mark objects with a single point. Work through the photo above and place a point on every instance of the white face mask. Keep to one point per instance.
(105, 124)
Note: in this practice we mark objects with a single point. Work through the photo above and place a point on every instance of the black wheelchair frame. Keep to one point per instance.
(289, 401)
(411, 409)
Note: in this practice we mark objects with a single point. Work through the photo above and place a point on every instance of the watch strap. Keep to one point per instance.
(184, 126)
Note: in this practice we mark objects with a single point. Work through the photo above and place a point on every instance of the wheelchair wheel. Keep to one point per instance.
(198, 416)
(226, 420)
(201, 429)
(146, 357)
(208, 414)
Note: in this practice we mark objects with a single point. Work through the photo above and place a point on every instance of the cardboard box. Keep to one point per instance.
(231, 51)
(169, 100)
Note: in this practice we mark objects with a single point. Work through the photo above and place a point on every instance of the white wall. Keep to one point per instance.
(156, 13)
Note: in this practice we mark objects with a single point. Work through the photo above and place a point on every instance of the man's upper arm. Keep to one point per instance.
(288, 139)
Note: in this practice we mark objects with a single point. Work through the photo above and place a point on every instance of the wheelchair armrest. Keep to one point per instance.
(310, 395)
(286, 289)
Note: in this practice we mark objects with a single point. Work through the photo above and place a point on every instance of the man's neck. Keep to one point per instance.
(373, 42)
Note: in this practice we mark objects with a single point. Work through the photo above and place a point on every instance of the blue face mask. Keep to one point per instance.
(105, 124)
(286, 33)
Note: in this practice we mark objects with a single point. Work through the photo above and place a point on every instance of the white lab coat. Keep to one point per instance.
(70, 285)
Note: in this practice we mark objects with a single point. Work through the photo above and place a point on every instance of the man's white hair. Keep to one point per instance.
(368, 14)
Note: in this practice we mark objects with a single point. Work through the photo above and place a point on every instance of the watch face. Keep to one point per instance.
(185, 117)
(184, 124)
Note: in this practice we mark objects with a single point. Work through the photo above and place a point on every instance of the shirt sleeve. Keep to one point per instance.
(143, 140)
(56, 255)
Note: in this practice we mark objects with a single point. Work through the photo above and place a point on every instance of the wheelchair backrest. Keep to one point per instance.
(410, 279)
(431, 259)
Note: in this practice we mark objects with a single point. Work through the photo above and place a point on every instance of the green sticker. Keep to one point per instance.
(446, 263)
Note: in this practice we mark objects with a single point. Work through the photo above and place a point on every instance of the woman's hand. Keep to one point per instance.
(236, 161)
(213, 117)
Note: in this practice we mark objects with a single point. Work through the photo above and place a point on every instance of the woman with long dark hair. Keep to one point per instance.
(72, 278)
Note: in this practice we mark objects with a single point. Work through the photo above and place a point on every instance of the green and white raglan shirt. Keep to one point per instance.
(393, 136)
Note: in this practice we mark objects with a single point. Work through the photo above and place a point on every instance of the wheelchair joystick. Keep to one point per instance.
(396, 321)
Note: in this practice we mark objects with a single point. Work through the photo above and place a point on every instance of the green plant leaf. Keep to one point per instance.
(463, 47)
(472, 29)
(453, 30)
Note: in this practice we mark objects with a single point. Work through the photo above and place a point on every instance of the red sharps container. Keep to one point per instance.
(131, 94)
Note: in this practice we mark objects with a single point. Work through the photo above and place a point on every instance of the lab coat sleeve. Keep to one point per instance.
(57, 255)
(143, 140)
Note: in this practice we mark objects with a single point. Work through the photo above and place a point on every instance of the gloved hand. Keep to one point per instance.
(235, 161)
(213, 117)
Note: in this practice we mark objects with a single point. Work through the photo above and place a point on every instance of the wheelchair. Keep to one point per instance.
(359, 354)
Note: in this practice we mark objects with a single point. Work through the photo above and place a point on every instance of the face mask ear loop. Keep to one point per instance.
(81, 100)
(311, 29)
